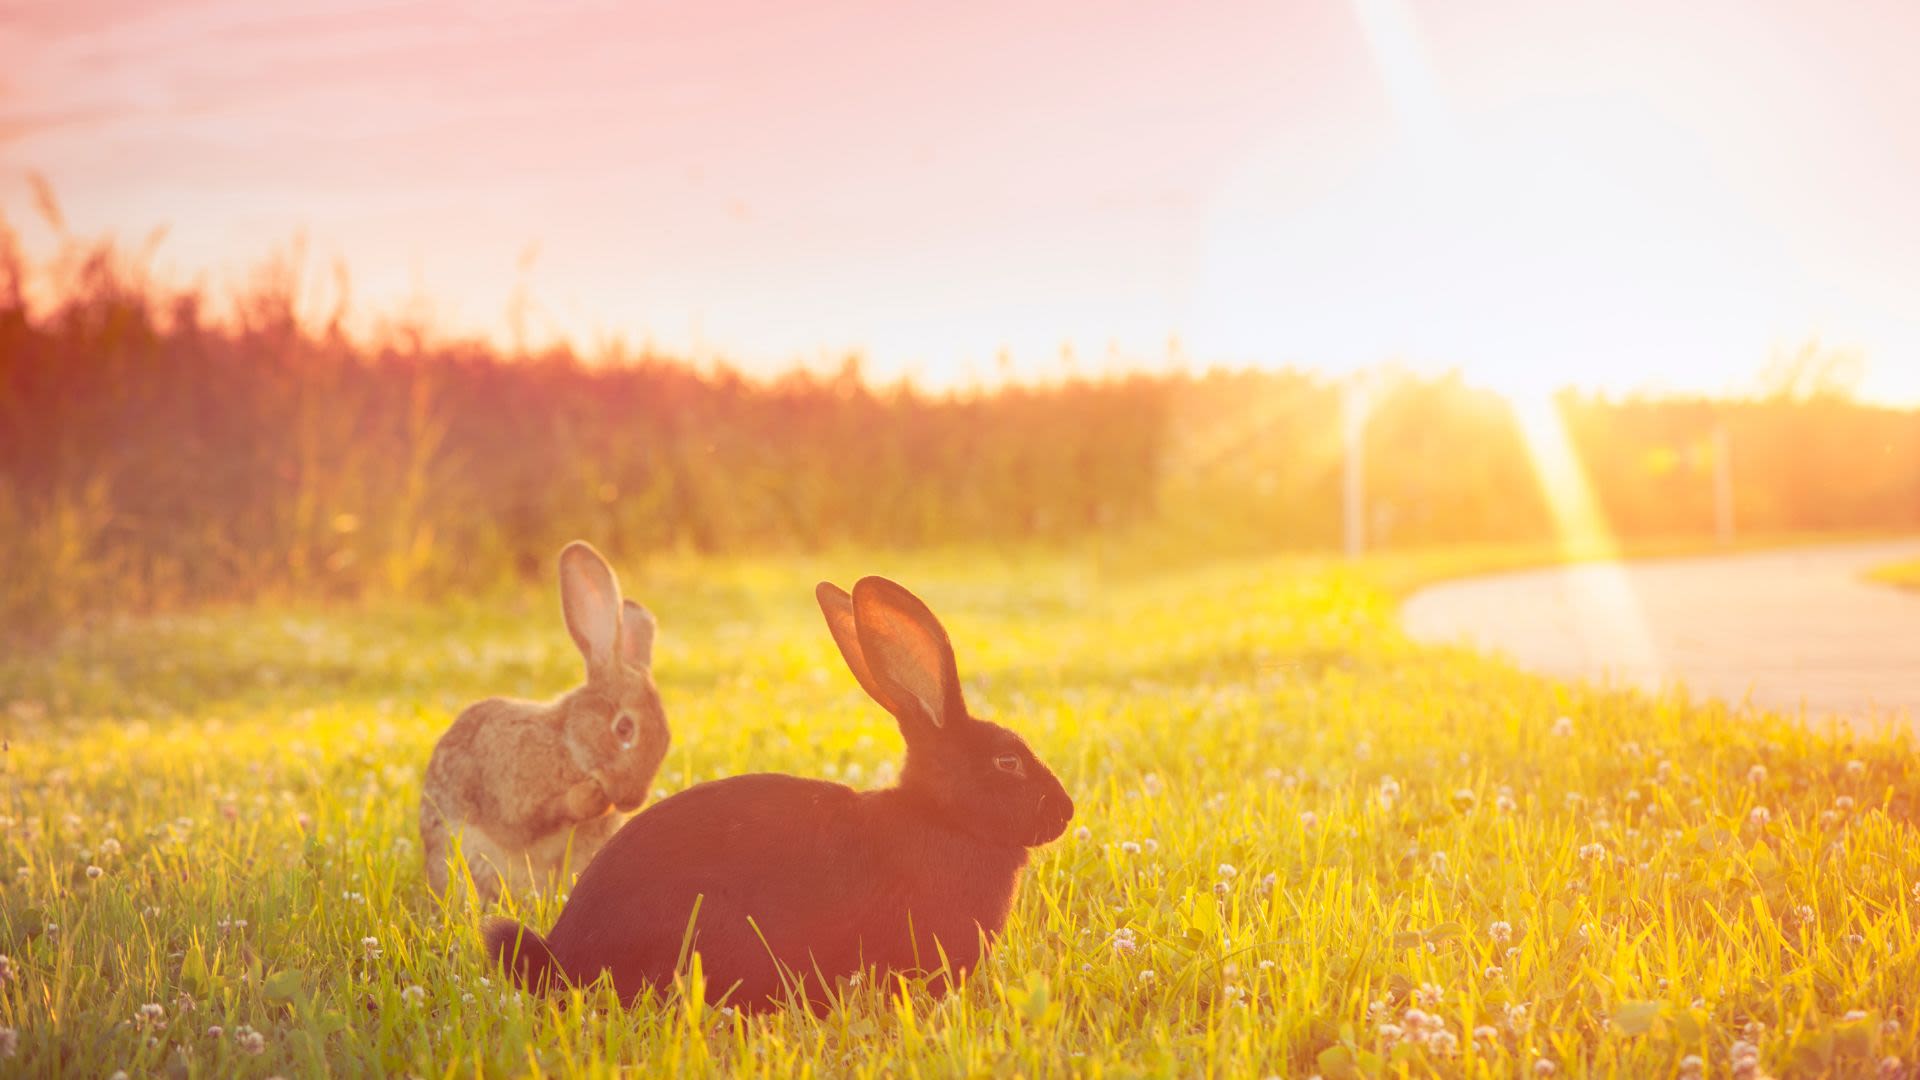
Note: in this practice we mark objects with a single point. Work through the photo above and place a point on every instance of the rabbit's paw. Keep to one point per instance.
(587, 799)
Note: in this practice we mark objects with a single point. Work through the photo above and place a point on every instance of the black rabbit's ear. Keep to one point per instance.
(908, 655)
(837, 606)
(590, 599)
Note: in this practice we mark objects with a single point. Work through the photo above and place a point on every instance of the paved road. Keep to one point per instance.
(1788, 630)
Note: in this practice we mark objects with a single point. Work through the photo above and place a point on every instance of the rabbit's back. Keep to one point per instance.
(497, 754)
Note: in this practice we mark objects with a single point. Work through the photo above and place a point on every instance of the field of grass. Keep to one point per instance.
(1304, 846)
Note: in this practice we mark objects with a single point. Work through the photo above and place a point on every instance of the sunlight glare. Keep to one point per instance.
(1607, 616)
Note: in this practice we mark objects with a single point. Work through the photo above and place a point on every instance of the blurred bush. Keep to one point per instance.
(154, 454)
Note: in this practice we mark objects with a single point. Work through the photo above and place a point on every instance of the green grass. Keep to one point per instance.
(1674, 878)
(1904, 574)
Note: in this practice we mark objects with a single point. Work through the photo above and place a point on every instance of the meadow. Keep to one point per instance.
(1304, 845)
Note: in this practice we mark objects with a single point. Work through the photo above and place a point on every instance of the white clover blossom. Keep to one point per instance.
(1562, 727)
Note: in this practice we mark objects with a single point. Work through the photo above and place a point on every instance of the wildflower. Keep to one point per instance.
(371, 946)
(1757, 774)
(109, 847)
(1804, 913)
(1590, 852)
(1150, 845)
(1563, 727)
(1486, 1033)
(1854, 1015)
(1754, 1030)
(1389, 790)
(1443, 1043)
(6, 970)
(1692, 1066)
(151, 1015)
(249, 1041)
(1268, 882)
(1083, 833)
(94, 872)
(9, 1042)
(1856, 769)
(215, 1031)
(1151, 784)
(726, 1011)
(1309, 820)
(1266, 965)
(1759, 816)
(1843, 803)
(304, 822)
(1890, 1067)
(1390, 1033)
(1146, 975)
(1429, 995)
(1228, 872)
(1122, 941)
(1439, 861)
(1492, 971)
(1130, 848)
(1221, 888)
(1504, 803)
(413, 995)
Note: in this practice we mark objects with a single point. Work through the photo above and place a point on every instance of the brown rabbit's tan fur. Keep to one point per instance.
(532, 790)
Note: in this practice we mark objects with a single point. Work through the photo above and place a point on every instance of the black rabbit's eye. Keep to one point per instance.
(623, 728)
(1009, 763)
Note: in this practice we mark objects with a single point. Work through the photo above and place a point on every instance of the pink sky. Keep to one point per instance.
(1615, 194)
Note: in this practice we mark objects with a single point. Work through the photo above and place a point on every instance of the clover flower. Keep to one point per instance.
(1563, 727)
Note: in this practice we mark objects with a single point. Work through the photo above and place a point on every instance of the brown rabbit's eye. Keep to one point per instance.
(623, 728)
(1009, 763)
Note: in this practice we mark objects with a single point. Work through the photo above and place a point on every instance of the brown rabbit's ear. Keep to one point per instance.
(590, 598)
(636, 635)
(837, 606)
(907, 654)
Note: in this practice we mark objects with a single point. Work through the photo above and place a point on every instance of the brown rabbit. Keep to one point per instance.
(532, 790)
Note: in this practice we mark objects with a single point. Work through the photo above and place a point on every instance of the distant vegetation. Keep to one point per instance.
(156, 452)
